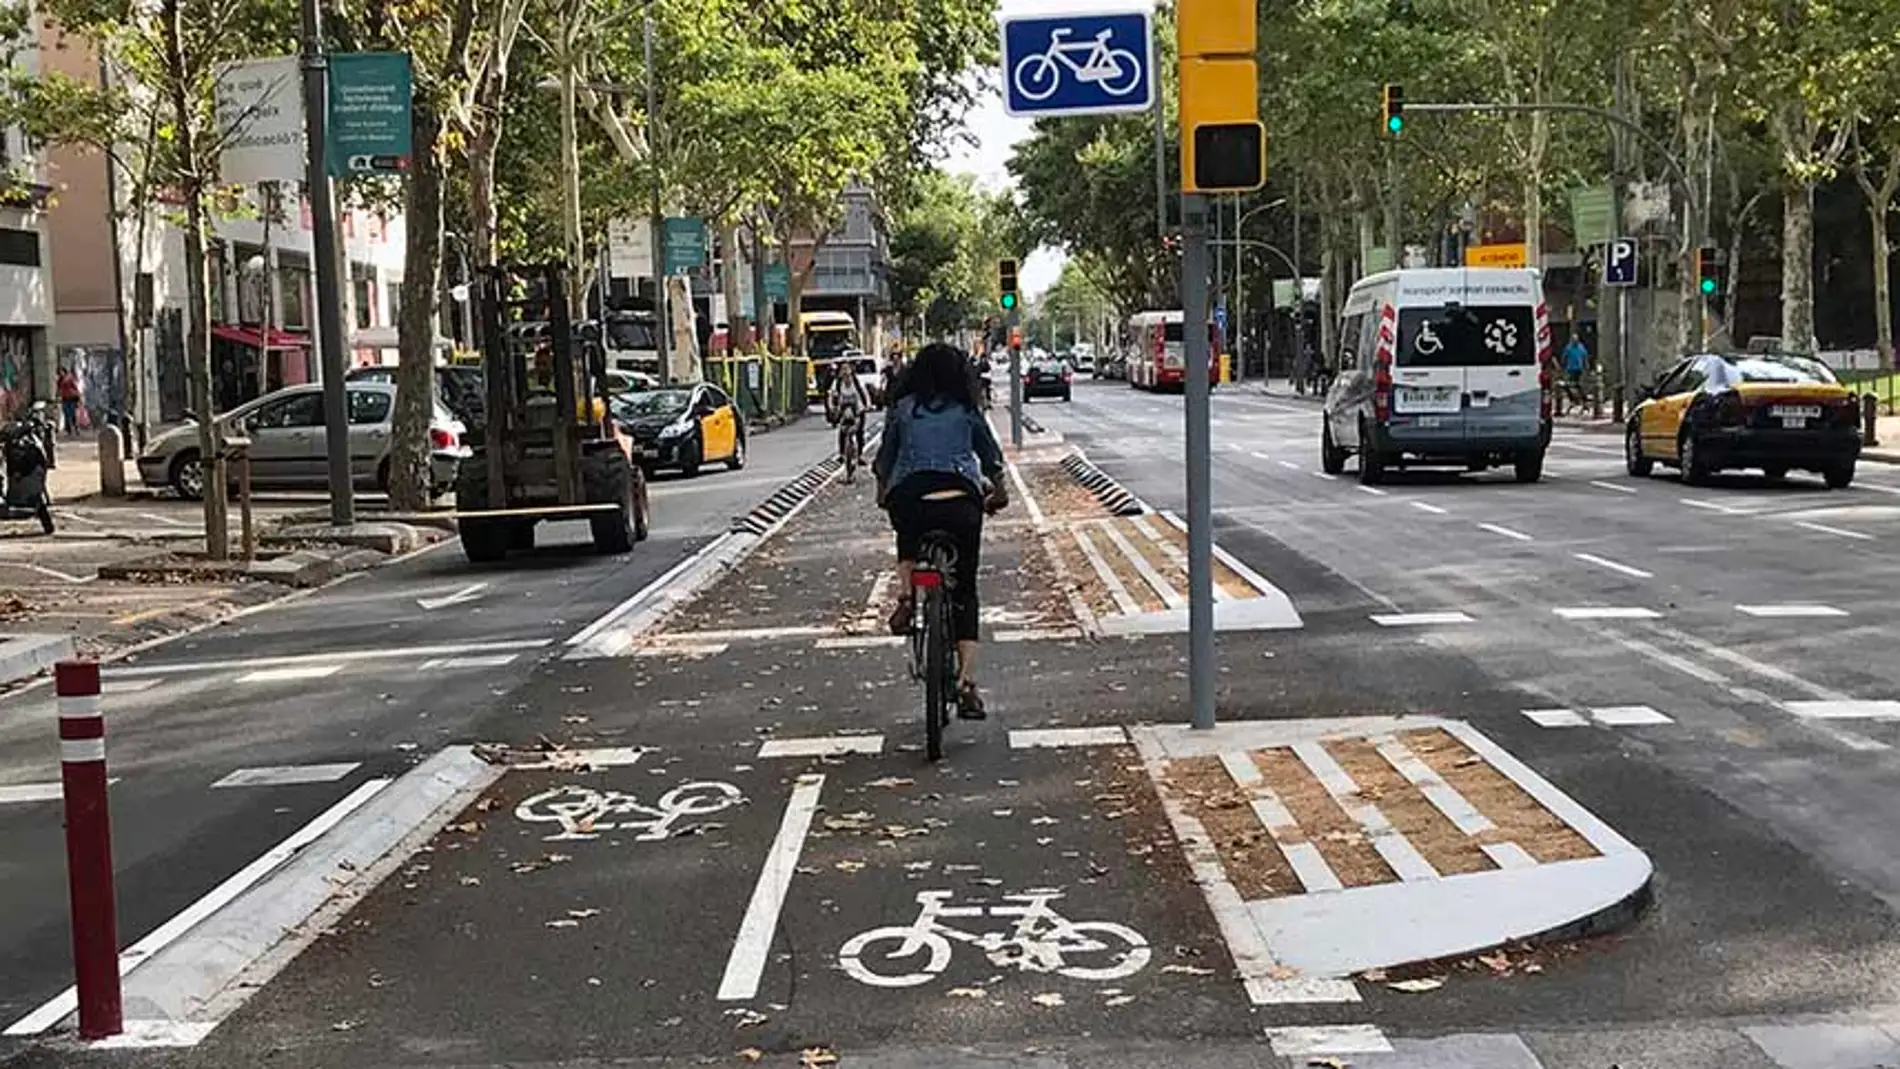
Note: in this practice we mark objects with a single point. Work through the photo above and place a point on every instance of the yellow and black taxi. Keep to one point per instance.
(1771, 411)
(682, 427)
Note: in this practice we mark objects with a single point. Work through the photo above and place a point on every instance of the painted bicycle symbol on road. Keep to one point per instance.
(583, 813)
(1038, 940)
(1116, 70)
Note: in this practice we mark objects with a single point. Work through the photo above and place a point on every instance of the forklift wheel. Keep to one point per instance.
(609, 478)
(642, 516)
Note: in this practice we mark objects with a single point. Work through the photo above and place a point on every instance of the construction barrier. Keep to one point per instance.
(762, 385)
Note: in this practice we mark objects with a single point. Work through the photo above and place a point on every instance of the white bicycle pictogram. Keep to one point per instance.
(1116, 70)
(1039, 940)
(583, 813)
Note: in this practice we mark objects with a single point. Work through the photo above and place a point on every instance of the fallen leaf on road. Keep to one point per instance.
(918, 866)
(1533, 967)
(1050, 999)
(563, 923)
(1002, 812)
(1423, 983)
(593, 981)
(1187, 970)
(1044, 842)
(891, 781)
(343, 1026)
(1008, 783)
(471, 881)
(485, 805)
(1119, 1000)
(468, 827)
(583, 914)
(817, 1056)
(747, 1018)
(575, 719)
(1328, 1063)
(1040, 821)
(1282, 972)
(968, 992)
(1373, 976)
(1499, 963)
(962, 868)
(751, 1054)
(849, 865)
(556, 859)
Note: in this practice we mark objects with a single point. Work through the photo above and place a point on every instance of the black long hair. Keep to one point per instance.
(940, 374)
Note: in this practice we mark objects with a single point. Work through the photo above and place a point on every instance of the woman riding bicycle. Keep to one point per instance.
(846, 404)
(937, 468)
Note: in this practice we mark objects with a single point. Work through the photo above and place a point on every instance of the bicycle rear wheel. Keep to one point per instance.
(936, 656)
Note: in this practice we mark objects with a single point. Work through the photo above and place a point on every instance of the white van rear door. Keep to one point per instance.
(1428, 379)
(1503, 390)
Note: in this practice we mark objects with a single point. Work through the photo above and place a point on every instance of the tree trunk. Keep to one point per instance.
(765, 315)
(481, 193)
(1797, 267)
(1534, 190)
(409, 477)
(1883, 284)
(197, 298)
(737, 322)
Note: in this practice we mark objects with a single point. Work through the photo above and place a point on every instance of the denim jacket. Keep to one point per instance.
(951, 439)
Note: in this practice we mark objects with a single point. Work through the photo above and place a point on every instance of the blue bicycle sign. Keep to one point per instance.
(1087, 64)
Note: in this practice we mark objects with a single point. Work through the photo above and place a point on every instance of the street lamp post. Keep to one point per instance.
(1236, 239)
(656, 220)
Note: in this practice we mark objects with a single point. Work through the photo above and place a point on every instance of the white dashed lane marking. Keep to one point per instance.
(1433, 509)
(1602, 485)
(1506, 532)
(287, 775)
(1609, 716)
(1789, 611)
(1607, 612)
(1839, 532)
(288, 674)
(1634, 573)
(1419, 619)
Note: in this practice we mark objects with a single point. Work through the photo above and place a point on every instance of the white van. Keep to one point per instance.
(1441, 366)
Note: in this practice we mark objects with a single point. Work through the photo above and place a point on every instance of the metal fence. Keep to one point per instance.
(1884, 385)
(763, 385)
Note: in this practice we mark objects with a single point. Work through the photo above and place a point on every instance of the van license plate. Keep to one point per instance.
(1794, 423)
(1414, 399)
(1795, 411)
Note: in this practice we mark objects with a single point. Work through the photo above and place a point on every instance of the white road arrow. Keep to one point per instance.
(466, 594)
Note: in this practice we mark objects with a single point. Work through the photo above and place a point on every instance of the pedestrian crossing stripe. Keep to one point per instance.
(1618, 716)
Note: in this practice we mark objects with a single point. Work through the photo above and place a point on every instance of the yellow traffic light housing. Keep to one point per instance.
(1216, 28)
(1006, 283)
(1392, 107)
(1708, 272)
(1223, 144)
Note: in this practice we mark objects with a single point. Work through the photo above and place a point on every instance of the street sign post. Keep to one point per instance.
(262, 120)
(369, 122)
(778, 282)
(1619, 263)
(1078, 64)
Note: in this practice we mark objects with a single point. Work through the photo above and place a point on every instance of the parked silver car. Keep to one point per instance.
(288, 447)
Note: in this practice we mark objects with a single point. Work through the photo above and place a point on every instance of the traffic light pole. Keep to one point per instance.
(1201, 670)
(1015, 379)
(330, 348)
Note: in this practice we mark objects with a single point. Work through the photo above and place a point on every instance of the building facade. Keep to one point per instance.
(26, 297)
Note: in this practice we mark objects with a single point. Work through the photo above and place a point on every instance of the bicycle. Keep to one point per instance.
(1116, 70)
(1040, 940)
(848, 453)
(933, 647)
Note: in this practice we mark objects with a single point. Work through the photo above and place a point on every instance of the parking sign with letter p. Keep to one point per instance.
(1619, 262)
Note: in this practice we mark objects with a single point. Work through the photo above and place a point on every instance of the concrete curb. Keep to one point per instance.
(182, 991)
(24, 656)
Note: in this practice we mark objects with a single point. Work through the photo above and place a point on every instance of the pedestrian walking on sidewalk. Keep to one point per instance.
(1576, 359)
(69, 400)
(939, 468)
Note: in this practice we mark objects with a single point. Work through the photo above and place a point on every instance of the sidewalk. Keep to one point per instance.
(724, 845)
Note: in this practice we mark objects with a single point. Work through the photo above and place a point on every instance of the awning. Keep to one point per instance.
(387, 338)
(255, 339)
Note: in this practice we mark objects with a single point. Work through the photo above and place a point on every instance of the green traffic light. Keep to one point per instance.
(1395, 124)
(1708, 287)
(1009, 301)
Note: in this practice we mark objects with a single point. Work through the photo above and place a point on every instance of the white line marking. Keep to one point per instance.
(1054, 738)
(1323, 475)
(1036, 634)
(1289, 465)
(30, 792)
(1789, 611)
(345, 656)
(1864, 484)
(742, 634)
(471, 592)
(1508, 855)
(822, 746)
(284, 775)
(874, 604)
(1373, 490)
(1506, 532)
(110, 685)
(1847, 709)
(1419, 619)
(156, 1034)
(216, 899)
(1169, 596)
(682, 650)
(1634, 573)
(1433, 509)
(55, 573)
(493, 660)
(1171, 551)
(1626, 716)
(746, 965)
(1407, 863)
(639, 598)
(1444, 797)
(597, 757)
(1260, 456)
(1670, 660)
(1840, 531)
(1714, 506)
(859, 642)
(1556, 718)
(1123, 600)
(291, 672)
(1607, 612)
(1036, 515)
(1308, 864)
(1602, 485)
(1301, 1041)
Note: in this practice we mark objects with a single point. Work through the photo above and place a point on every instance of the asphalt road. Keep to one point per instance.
(1706, 667)
(370, 675)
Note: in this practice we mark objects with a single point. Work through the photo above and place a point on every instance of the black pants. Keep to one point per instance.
(913, 516)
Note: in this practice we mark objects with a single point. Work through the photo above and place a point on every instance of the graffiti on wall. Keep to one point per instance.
(16, 371)
(100, 370)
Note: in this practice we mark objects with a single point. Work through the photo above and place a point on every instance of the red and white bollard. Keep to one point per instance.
(82, 773)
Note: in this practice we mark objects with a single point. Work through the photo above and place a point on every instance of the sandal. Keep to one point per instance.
(969, 702)
(901, 616)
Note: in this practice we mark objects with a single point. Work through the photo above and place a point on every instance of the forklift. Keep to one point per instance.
(550, 449)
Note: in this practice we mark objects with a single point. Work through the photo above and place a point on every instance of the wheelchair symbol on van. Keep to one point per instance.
(1427, 343)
